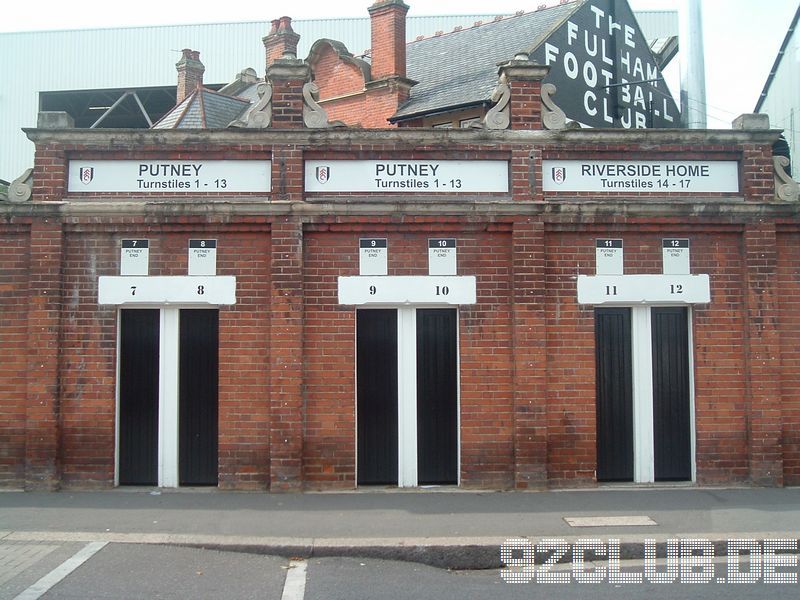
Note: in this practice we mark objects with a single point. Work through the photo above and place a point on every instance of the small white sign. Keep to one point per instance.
(407, 176)
(407, 290)
(644, 289)
(170, 176)
(134, 257)
(633, 176)
(373, 256)
(608, 257)
(202, 257)
(675, 254)
(167, 290)
(442, 256)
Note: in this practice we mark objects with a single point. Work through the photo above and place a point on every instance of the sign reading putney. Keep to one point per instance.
(404, 176)
(601, 50)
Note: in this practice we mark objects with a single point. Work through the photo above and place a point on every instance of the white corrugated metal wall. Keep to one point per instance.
(782, 102)
(145, 56)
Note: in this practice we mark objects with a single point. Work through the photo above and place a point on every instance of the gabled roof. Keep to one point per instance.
(460, 68)
(204, 109)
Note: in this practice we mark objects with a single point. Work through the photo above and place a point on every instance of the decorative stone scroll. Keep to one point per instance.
(314, 116)
(786, 188)
(260, 115)
(552, 116)
(21, 188)
(499, 116)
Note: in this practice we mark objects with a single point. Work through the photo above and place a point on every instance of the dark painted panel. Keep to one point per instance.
(198, 374)
(437, 396)
(671, 416)
(614, 381)
(138, 397)
(376, 359)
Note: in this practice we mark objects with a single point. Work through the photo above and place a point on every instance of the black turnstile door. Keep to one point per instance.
(614, 381)
(198, 372)
(671, 417)
(138, 397)
(376, 389)
(437, 396)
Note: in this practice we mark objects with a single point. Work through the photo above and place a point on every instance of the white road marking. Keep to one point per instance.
(631, 521)
(294, 588)
(41, 587)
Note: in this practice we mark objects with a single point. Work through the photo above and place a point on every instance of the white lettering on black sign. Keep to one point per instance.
(202, 257)
(134, 257)
(608, 258)
(373, 256)
(442, 256)
(604, 70)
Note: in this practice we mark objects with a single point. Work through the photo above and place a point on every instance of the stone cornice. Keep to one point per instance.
(405, 138)
(712, 211)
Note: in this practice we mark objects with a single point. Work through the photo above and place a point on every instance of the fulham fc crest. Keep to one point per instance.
(323, 174)
(86, 175)
(559, 174)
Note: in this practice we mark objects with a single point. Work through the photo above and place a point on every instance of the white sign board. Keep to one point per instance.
(407, 290)
(442, 256)
(202, 257)
(373, 256)
(167, 290)
(134, 257)
(404, 176)
(608, 257)
(675, 254)
(624, 176)
(644, 289)
(170, 176)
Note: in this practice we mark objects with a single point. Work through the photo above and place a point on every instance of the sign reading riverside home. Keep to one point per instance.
(424, 176)
(170, 176)
(681, 177)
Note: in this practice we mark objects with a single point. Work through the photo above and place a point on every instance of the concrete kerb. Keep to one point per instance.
(448, 553)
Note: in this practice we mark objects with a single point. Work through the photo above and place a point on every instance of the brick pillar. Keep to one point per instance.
(49, 173)
(280, 40)
(286, 357)
(530, 355)
(42, 468)
(190, 74)
(525, 80)
(763, 354)
(288, 75)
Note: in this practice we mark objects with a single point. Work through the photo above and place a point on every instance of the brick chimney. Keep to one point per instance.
(280, 40)
(388, 22)
(190, 73)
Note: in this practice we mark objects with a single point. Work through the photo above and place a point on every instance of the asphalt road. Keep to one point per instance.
(133, 571)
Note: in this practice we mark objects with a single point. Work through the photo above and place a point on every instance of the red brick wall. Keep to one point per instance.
(88, 366)
(719, 356)
(485, 348)
(244, 386)
(336, 77)
(13, 356)
(88, 363)
(789, 319)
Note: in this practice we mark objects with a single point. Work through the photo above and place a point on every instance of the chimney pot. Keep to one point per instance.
(281, 40)
(190, 73)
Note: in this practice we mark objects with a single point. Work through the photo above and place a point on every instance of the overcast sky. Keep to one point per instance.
(741, 37)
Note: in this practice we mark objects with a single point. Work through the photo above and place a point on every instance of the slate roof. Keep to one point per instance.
(460, 68)
(204, 109)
